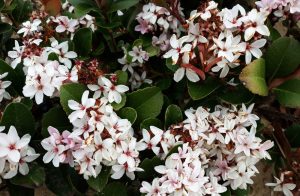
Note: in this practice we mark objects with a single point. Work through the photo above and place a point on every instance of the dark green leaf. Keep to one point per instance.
(164, 83)
(241, 192)
(35, 177)
(22, 10)
(148, 166)
(118, 106)
(12, 76)
(202, 89)
(237, 95)
(147, 102)
(18, 115)
(4, 28)
(128, 113)
(83, 41)
(173, 115)
(115, 189)
(282, 57)
(55, 117)
(288, 93)
(122, 77)
(293, 135)
(151, 122)
(71, 92)
(100, 182)
(122, 4)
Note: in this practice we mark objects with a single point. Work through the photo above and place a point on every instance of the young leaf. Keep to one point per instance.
(128, 113)
(71, 92)
(282, 57)
(18, 115)
(173, 115)
(288, 93)
(147, 102)
(253, 77)
(202, 89)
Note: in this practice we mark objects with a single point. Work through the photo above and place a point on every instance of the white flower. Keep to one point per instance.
(281, 186)
(153, 189)
(190, 74)
(177, 48)
(38, 87)
(98, 89)
(80, 109)
(16, 54)
(62, 50)
(254, 49)
(29, 28)
(65, 24)
(114, 91)
(150, 143)
(256, 20)
(11, 144)
(138, 54)
(3, 86)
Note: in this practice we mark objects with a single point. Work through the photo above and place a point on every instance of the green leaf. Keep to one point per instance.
(22, 10)
(237, 95)
(173, 115)
(163, 83)
(35, 177)
(100, 181)
(148, 166)
(4, 28)
(282, 57)
(241, 192)
(128, 113)
(288, 93)
(121, 5)
(293, 135)
(115, 189)
(253, 77)
(28, 102)
(170, 65)
(202, 89)
(71, 92)
(17, 82)
(18, 115)
(82, 9)
(122, 77)
(227, 193)
(147, 102)
(118, 106)
(55, 117)
(173, 150)
(150, 122)
(152, 50)
(83, 41)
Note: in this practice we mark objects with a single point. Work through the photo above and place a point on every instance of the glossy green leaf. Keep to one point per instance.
(128, 113)
(148, 166)
(71, 92)
(100, 181)
(236, 95)
(118, 106)
(122, 77)
(55, 117)
(202, 89)
(253, 77)
(122, 4)
(288, 93)
(151, 122)
(115, 189)
(173, 115)
(35, 177)
(147, 102)
(293, 135)
(18, 115)
(282, 57)
(13, 76)
(83, 41)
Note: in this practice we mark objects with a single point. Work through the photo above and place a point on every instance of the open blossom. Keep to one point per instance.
(282, 186)
(138, 54)
(29, 27)
(16, 54)
(253, 49)
(65, 24)
(3, 85)
(80, 108)
(114, 92)
(15, 153)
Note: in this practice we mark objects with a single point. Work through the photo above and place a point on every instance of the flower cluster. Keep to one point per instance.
(99, 137)
(15, 153)
(3, 85)
(48, 62)
(217, 147)
(212, 39)
(281, 8)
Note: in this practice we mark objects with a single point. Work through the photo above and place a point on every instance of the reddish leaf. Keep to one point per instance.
(52, 7)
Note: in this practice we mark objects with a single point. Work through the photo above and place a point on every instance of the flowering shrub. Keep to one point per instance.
(167, 97)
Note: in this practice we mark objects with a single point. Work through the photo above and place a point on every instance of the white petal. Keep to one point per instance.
(179, 74)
